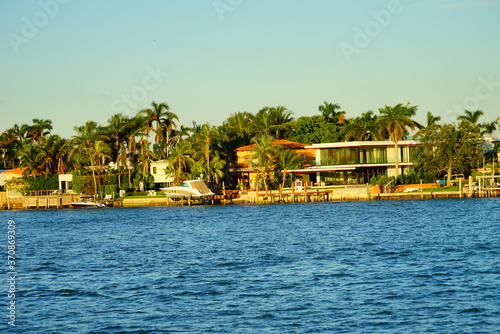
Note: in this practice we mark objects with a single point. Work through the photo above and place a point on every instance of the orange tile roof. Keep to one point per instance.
(16, 171)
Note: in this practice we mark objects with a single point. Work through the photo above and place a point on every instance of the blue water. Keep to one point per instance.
(412, 266)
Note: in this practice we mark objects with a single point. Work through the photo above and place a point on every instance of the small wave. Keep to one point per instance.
(472, 310)
(198, 293)
(72, 292)
(140, 287)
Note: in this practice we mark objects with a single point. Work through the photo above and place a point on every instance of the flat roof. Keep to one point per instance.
(345, 144)
(340, 168)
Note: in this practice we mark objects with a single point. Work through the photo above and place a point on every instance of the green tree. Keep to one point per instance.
(330, 113)
(162, 121)
(274, 121)
(431, 119)
(288, 160)
(448, 149)
(180, 161)
(471, 116)
(264, 159)
(30, 159)
(315, 129)
(394, 123)
(363, 128)
(89, 148)
(487, 128)
(39, 129)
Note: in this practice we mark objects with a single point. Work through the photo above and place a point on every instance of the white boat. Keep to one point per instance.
(194, 189)
(87, 202)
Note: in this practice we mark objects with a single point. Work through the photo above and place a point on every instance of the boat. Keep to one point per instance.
(193, 189)
(87, 202)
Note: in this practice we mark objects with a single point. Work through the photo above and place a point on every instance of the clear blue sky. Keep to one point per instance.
(72, 61)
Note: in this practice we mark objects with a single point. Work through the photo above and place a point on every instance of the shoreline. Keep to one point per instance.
(248, 198)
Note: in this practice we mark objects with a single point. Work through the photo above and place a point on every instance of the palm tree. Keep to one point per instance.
(140, 129)
(330, 113)
(488, 128)
(208, 142)
(471, 116)
(288, 160)
(431, 122)
(160, 120)
(47, 155)
(97, 154)
(394, 123)
(431, 119)
(89, 148)
(275, 121)
(239, 126)
(62, 149)
(264, 158)
(118, 131)
(207, 134)
(40, 129)
(363, 128)
(9, 145)
(19, 133)
(179, 161)
(30, 159)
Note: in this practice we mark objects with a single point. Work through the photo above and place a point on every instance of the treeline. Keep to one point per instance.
(120, 151)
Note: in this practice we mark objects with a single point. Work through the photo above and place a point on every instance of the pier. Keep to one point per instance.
(44, 199)
(55, 199)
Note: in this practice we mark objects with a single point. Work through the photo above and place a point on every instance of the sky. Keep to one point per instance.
(71, 61)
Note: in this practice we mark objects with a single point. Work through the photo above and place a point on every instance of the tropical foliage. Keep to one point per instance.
(449, 149)
(119, 152)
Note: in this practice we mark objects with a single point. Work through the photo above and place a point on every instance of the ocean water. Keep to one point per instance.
(410, 266)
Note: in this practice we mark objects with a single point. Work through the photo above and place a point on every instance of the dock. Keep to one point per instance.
(57, 200)
(38, 200)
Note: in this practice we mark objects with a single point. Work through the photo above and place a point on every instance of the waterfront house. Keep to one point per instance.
(358, 161)
(9, 175)
(245, 168)
(159, 173)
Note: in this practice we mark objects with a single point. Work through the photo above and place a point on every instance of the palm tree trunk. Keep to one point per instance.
(207, 155)
(118, 174)
(93, 175)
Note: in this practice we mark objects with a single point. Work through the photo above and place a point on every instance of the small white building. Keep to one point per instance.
(158, 170)
(65, 182)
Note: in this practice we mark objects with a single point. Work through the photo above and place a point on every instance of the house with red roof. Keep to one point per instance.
(8, 175)
(246, 171)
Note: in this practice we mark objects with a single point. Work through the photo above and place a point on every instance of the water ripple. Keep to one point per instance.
(346, 267)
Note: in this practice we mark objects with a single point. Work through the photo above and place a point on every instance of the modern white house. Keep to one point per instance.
(358, 161)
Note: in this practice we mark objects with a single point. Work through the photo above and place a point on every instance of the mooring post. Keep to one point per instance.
(470, 186)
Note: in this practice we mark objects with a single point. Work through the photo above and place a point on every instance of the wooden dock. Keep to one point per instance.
(38, 202)
(305, 195)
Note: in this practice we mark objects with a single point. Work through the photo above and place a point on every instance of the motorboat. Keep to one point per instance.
(87, 202)
(193, 189)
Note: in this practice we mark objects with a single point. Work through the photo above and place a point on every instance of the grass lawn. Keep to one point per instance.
(454, 188)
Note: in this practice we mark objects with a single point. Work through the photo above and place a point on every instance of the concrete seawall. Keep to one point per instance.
(348, 193)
